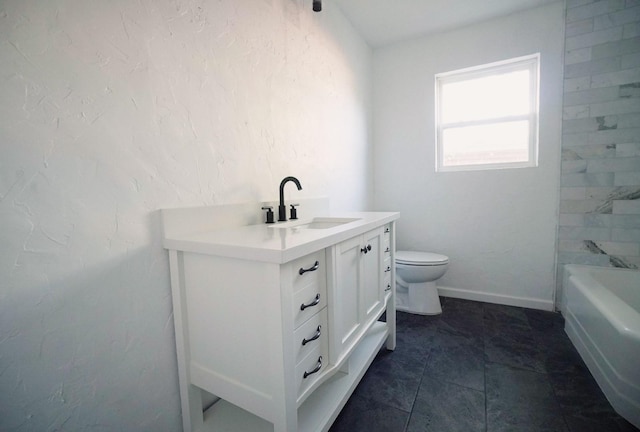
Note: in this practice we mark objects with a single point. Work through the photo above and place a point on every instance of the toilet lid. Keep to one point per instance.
(420, 258)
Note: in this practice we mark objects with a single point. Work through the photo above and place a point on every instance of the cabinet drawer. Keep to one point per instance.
(307, 302)
(309, 270)
(310, 335)
(312, 367)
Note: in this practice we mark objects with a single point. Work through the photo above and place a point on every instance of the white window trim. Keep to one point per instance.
(531, 62)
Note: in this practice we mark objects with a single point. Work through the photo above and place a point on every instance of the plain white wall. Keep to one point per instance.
(112, 110)
(498, 227)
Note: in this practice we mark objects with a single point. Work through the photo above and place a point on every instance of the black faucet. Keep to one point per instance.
(282, 210)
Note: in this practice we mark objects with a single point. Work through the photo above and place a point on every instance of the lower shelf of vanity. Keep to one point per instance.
(320, 409)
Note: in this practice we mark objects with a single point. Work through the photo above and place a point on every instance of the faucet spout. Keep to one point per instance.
(282, 210)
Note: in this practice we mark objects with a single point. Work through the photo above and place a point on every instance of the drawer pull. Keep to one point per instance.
(388, 288)
(386, 230)
(315, 369)
(313, 268)
(313, 303)
(314, 337)
(388, 269)
(388, 249)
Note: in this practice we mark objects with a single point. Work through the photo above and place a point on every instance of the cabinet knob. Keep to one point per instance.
(366, 249)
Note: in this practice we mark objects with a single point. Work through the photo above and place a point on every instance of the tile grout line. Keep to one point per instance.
(415, 398)
(541, 342)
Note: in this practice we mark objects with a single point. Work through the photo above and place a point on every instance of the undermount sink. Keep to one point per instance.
(315, 223)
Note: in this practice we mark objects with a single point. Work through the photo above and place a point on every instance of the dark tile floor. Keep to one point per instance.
(479, 367)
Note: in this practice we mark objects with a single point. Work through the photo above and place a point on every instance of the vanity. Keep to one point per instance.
(277, 323)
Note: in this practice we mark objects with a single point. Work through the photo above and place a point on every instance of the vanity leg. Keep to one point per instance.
(190, 396)
(391, 324)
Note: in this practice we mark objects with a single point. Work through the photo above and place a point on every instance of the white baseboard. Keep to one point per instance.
(486, 297)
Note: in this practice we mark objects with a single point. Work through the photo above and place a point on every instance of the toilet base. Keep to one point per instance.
(419, 298)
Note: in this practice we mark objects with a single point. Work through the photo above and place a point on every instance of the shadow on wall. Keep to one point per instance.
(93, 348)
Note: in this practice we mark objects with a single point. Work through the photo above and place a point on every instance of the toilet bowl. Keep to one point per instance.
(416, 275)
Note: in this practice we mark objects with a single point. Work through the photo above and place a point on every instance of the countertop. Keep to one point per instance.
(276, 243)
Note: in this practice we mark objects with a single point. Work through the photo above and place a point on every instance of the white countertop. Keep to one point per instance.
(277, 243)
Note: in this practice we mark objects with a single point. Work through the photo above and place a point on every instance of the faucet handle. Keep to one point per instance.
(269, 210)
(294, 211)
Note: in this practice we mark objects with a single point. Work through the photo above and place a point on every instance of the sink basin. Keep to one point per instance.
(324, 223)
(315, 223)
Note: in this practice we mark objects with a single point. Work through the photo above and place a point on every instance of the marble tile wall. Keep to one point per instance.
(600, 187)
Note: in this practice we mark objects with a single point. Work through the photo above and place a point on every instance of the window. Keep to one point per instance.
(487, 116)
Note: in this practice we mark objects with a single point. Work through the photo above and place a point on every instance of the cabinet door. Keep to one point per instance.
(372, 265)
(347, 301)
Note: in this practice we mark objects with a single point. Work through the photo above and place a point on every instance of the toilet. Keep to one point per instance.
(416, 275)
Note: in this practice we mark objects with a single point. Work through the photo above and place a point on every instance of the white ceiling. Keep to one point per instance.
(382, 22)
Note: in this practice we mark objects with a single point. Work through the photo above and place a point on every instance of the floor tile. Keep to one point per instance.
(513, 345)
(450, 304)
(458, 360)
(406, 321)
(562, 358)
(365, 415)
(579, 424)
(520, 400)
(579, 396)
(545, 321)
(414, 337)
(625, 426)
(483, 367)
(391, 382)
(510, 315)
(448, 407)
(462, 318)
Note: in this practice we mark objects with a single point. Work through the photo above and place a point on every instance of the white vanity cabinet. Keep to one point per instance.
(275, 326)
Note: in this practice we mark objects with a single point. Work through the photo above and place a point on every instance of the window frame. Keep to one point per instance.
(529, 62)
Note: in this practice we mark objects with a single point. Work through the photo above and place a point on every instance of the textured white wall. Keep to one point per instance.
(112, 110)
(498, 227)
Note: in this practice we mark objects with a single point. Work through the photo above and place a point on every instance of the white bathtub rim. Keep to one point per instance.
(622, 316)
(624, 319)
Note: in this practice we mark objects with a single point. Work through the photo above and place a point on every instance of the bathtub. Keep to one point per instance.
(601, 306)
